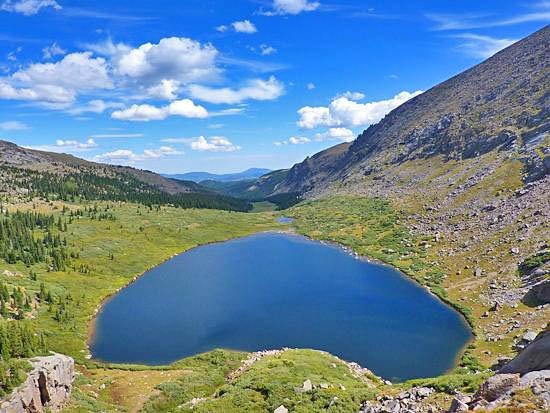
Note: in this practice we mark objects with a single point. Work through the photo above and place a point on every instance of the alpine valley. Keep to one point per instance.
(450, 189)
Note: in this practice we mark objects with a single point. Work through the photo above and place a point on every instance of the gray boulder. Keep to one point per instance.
(536, 356)
(497, 386)
(459, 405)
(538, 294)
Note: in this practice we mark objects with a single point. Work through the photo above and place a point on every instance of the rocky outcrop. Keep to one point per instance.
(47, 388)
(412, 400)
(494, 387)
(539, 294)
(536, 356)
(529, 370)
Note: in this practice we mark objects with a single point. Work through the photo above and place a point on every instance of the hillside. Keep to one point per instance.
(451, 188)
(252, 189)
(28, 172)
(501, 104)
(251, 173)
(59, 163)
(466, 166)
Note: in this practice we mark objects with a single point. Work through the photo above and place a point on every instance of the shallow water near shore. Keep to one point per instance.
(274, 290)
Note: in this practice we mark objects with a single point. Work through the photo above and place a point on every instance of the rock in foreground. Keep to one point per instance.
(530, 371)
(47, 388)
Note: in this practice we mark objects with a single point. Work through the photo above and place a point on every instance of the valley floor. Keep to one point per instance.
(113, 251)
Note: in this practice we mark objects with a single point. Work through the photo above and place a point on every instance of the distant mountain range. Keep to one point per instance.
(252, 173)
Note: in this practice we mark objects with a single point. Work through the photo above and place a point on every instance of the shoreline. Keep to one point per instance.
(288, 231)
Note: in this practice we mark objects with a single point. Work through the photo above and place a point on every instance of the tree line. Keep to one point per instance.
(111, 186)
(20, 242)
(17, 340)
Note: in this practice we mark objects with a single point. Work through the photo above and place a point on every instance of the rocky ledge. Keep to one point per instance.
(47, 388)
(529, 371)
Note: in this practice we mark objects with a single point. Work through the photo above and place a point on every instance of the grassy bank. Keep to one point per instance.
(129, 239)
(111, 252)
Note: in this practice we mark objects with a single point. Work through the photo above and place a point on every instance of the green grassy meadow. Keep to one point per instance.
(115, 250)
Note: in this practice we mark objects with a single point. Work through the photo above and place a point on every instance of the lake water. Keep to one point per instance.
(274, 290)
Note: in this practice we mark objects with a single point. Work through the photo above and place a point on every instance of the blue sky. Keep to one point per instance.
(226, 85)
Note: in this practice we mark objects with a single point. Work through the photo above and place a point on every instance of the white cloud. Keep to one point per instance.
(46, 93)
(185, 108)
(483, 47)
(213, 144)
(281, 7)
(244, 26)
(266, 50)
(167, 89)
(117, 135)
(107, 48)
(178, 140)
(298, 140)
(28, 7)
(74, 144)
(127, 156)
(477, 21)
(58, 82)
(310, 86)
(13, 125)
(12, 56)
(142, 112)
(293, 140)
(52, 50)
(94, 106)
(343, 134)
(161, 152)
(76, 71)
(355, 96)
(176, 58)
(227, 112)
(345, 112)
(256, 89)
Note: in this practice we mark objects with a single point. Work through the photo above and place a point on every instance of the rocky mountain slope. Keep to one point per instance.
(501, 104)
(467, 165)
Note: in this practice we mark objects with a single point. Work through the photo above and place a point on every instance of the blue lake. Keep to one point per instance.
(274, 290)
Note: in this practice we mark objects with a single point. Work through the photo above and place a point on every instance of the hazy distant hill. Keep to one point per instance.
(251, 173)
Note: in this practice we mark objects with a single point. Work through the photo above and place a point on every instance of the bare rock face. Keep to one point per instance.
(538, 294)
(528, 370)
(535, 357)
(48, 386)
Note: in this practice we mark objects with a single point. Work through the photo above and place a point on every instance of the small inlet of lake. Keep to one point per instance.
(274, 290)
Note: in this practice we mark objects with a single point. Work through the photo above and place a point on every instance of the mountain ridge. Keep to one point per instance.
(502, 102)
(28, 172)
(14, 155)
(250, 173)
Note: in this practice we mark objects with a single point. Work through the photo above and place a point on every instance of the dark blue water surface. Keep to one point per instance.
(275, 290)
